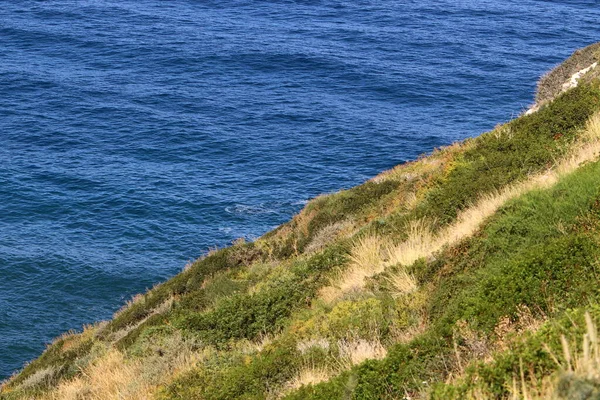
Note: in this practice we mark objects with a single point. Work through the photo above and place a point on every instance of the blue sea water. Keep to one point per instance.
(134, 135)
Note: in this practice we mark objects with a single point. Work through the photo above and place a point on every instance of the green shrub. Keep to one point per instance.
(187, 281)
(60, 357)
(532, 252)
(532, 143)
(534, 355)
(241, 378)
(245, 316)
(327, 210)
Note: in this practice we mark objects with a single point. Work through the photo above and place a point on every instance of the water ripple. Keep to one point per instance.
(136, 135)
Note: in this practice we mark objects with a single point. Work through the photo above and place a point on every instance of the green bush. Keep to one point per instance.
(187, 281)
(239, 378)
(530, 143)
(532, 252)
(529, 356)
(59, 357)
(245, 316)
(329, 209)
(540, 251)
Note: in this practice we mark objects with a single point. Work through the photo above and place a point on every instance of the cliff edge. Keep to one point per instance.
(468, 273)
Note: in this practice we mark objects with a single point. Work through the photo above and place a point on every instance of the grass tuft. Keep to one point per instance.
(354, 352)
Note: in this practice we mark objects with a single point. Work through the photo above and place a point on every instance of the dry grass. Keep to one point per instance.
(503, 131)
(354, 352)
(304, 217)
(589, 150)
(469, 345)
(307, 376)
(578, 376)
(366, 254)
(406, 334)
(304, 346)
(423, 244)
(425, 165)
(138, 298)
(470, 219)
(351, 352)
(402, 282)
(72, 338)
(411, 200)
(592, 131)
(417, 245)
(366, 260)
(67, 341)
(41, 377)
(160, 309)
(110, 377)
(506, 328)
(586, 364)
(371, 255)
(328, 234)
(245, 346)
(329, 294)
(169, 356)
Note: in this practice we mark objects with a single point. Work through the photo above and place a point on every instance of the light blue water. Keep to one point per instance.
(136, 134)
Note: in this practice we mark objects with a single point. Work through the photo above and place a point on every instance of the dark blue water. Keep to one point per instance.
(136, 134)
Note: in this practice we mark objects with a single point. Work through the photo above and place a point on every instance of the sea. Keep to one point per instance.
(137, 135)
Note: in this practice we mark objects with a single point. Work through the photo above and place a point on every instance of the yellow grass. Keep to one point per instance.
(506, 327)
(422, 244)
(583, 365)
(162, 308)
(304, 346)
(40, 377)
(425, 165)
(403, 283)
(365, 261)
(138, 298)
(406, 334)
(330, 233)
(353, 352)
(366, 254)
(254, 346)
(417, 245)
(110, 377)
(307, 376)
(586, 364)
(367, 258)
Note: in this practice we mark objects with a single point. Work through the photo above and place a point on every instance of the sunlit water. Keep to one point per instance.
(136, 134)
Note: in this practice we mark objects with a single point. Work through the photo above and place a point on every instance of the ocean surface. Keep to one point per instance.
(135, 135)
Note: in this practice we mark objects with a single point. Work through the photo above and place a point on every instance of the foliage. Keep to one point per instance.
(427, 316)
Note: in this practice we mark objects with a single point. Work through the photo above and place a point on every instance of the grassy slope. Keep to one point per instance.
(319, 308)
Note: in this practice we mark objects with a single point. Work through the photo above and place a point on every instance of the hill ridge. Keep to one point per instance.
(470, 272)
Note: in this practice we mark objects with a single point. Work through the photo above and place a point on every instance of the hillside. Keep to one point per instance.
(468, 273)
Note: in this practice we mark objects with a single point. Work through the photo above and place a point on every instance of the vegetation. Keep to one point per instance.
(552, 83)
(469, 273)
